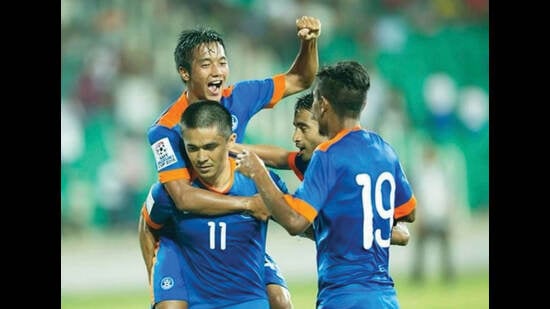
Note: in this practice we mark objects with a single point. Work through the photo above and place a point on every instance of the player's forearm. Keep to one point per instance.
(273, 156)
(281, 212)
(204, 202)
(301, 74)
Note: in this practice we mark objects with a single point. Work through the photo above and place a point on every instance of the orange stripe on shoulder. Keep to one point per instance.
(148, 220)
(278, 89)
(405, 209)
(301, 207)
(179, 173)
(326, 144)
(227, 91)
(173, 115)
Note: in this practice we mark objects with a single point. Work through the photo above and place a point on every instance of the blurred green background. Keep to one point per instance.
(429, 66)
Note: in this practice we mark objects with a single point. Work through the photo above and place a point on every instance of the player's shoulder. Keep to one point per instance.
(248, 84)
(159, 194)
(158, 132)
(373, 138)
(242, 185)
(377, 143)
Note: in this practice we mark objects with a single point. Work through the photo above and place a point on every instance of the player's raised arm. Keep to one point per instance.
(302, 72)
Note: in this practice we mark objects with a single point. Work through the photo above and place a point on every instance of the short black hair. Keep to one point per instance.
(344, 85)
(206, 114)
(190, 39)
(304, 102)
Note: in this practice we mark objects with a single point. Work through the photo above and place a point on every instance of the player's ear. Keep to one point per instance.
(184, 74)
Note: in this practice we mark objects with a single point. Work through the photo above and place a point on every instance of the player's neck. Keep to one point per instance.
(190, 97)
(336, 127)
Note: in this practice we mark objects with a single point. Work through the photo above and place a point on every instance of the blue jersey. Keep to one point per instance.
(224, 255)
(352, 199)
(243, 100)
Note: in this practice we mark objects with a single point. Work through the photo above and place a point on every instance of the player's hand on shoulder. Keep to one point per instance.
(308, 27)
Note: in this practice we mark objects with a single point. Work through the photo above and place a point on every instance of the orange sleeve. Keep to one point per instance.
(301, 207)
(405, 209)
(175, 174)
(278, 89)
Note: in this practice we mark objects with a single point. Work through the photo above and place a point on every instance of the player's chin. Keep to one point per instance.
(216, 98)
(214, 95)
(204, 172)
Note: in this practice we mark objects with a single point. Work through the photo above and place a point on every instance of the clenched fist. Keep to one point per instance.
(308, 27)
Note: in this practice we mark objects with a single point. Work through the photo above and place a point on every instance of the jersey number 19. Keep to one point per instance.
(368, 216)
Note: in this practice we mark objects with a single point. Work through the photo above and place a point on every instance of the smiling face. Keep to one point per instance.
(209, 72)
(208, 152)
(306, 133)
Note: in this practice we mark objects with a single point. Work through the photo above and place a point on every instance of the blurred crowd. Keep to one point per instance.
(429, 66)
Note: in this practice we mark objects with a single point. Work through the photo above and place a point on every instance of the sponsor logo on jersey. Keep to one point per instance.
(164, 154)
(166, 283)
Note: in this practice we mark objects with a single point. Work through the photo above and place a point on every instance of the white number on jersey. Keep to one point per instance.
(369, 234)
(212, 233)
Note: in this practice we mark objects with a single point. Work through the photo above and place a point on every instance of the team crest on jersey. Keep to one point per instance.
(164, 154)
(166, 283)
(234, 122)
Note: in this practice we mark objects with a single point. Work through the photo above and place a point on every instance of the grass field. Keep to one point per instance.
(470, 291)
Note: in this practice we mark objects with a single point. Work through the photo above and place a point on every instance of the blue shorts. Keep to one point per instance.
(167, 277)
(385, 298)
(272, 273)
